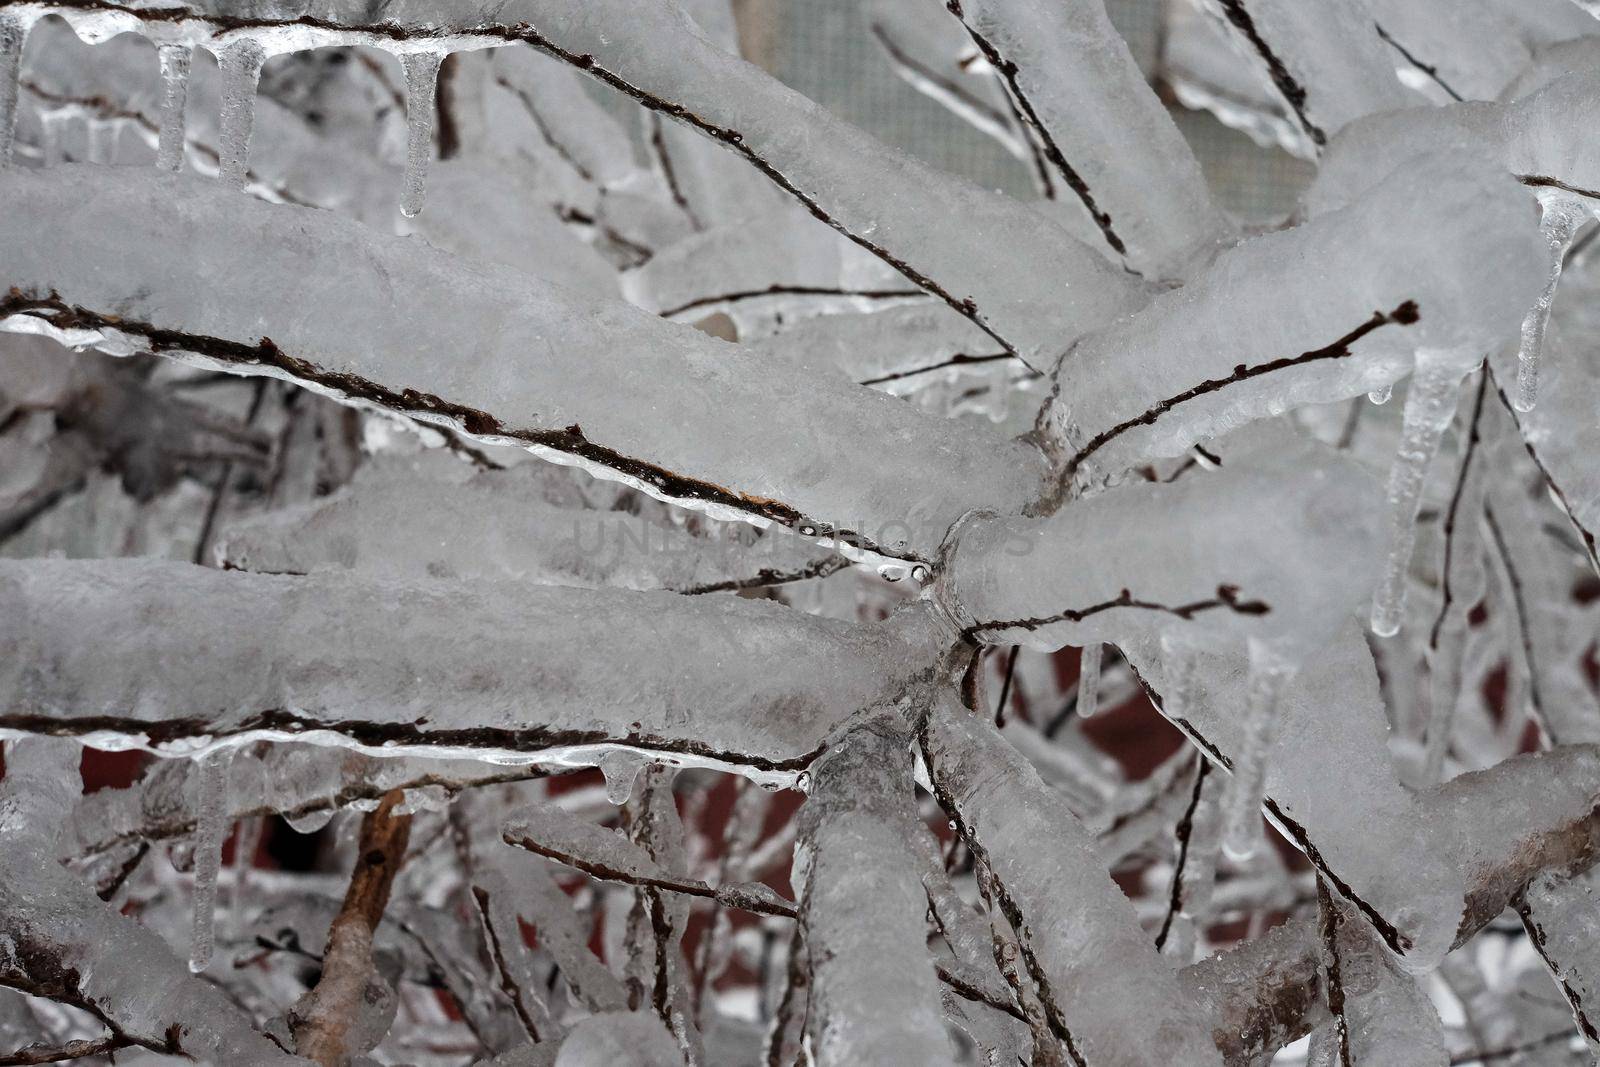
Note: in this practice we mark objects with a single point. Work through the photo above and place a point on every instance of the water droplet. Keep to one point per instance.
(309, 822)
(1381, 394)
(621, 767)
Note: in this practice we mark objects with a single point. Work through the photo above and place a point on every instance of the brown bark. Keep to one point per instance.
(347, 960)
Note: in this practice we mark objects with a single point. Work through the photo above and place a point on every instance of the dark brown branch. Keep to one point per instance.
(729, 896)
(1431, 71)
(1451, 516)
(1008, 72)
(1293, 92)
(1183, 832)
(72, 1050)
(1328, 923)
(347, 960)
(1227, 597)
(741, 295)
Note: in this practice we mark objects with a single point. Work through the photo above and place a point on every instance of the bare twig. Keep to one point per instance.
(347, 960)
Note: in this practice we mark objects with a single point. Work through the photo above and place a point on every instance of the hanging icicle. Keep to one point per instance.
(175, 61)
(13, 34)
(1242, 825)
(422, 80)
(1563, 216)
(240, 63)
(1429, 407)
(210, 830)
(1089, 679)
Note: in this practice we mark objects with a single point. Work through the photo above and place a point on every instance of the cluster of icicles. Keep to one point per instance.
(239, 61)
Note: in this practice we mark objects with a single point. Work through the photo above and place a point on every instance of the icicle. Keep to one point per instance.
(1563, 216)
(1242, 825)
(620, 768)
(102, 134)
(1430, 405)
(240, 64)
(175, 60)
(1089, 679)
(211, 828)
(1381, 394)
(422, 78)
(13, 33)
(244, 854)
(51, 126)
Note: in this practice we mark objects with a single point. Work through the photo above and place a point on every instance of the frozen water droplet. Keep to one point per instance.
(1268, 673)
(175, 61)
(13, 32)
(802, 781)
(1430, 405)
(1381, 394)
(240, 64)
(422, 79)
(919, 573)
(808, 530)
(1089, 679)
(621, 768)
(1562, 218)
(309, 822)
(211, 826)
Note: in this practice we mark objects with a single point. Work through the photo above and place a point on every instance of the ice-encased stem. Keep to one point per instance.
(211, 827)
(1562, 217)
(1242, 827)
(175, 61)
(422, 79)
(13, 33)
(1430, 405)
(1089, 679)
(240, 64)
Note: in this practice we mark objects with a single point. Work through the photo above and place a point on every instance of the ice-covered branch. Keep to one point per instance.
(1108, 996)
(1267, 992)
(336, 306)
(1103, 132)
(874, 993)
(1440, 256)
(484, 668)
